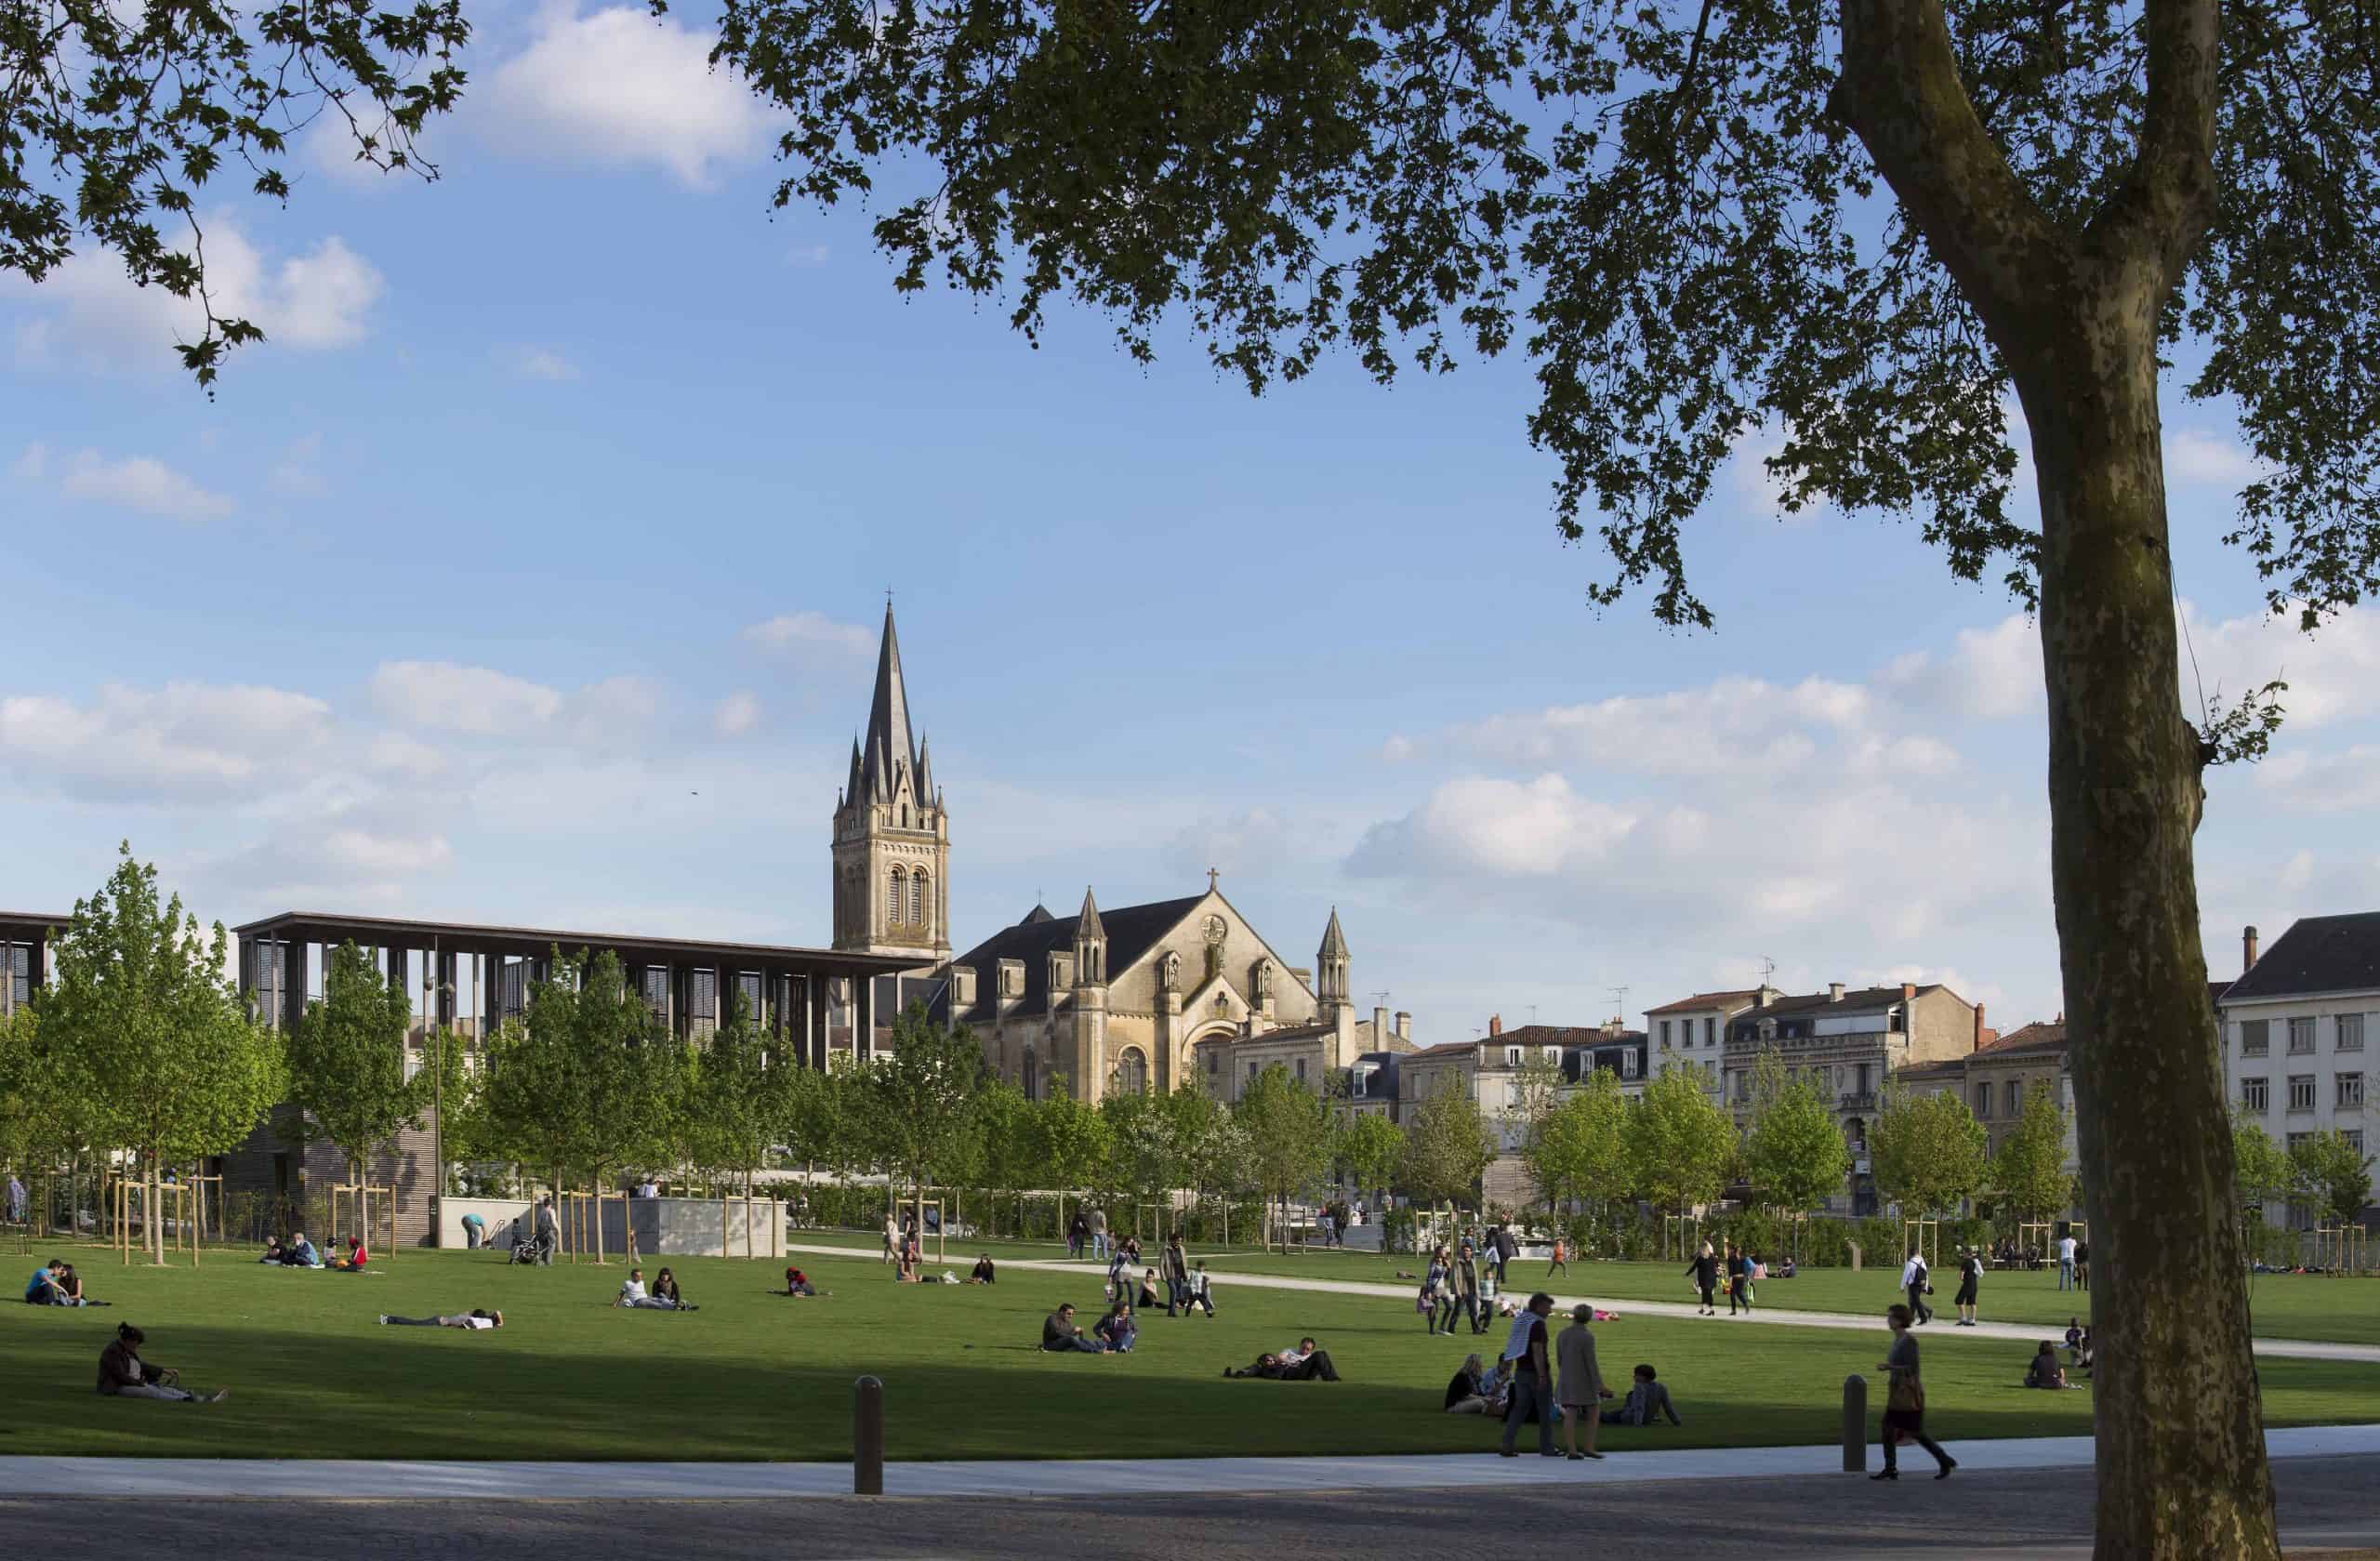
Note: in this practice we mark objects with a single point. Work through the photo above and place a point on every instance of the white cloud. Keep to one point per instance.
(807, 254)
(538, 363)
(88, 313)
(482, 702)
(34, 465)
(1534, 828)
(2212, 459)
(1256, 844)
(1990, 674)
(184, 740)
(1726, 725)
(738, 714)
(2343, 781)
(139, 483)
(806, 634)
(615, 87)
(395, 753)
(2333, 674)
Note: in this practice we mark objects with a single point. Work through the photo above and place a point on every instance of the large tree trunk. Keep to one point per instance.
(2181, 1455)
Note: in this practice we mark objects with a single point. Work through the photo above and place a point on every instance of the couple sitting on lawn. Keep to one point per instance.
(664, 1296)
(1303, 1364)
(1113, 1334)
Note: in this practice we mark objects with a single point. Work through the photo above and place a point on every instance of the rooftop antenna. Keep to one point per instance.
(1767, 971)
(1619, 1001)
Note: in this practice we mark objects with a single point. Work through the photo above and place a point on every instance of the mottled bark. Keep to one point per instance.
(2181, 1461)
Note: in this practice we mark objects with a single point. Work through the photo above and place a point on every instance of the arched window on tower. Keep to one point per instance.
(892, 907)
(918, 898)
(1132, 1072)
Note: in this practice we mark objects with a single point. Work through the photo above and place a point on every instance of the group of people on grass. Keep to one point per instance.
(298, 1252)
(1740, 1268)
(55, 1283)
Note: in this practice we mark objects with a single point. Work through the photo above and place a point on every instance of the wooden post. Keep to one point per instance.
(1855, 1424)
(867, 1437)
(726, 1247)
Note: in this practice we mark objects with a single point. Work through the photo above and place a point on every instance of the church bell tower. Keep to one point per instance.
(891, 844)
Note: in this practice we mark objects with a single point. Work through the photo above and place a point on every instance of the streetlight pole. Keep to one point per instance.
(429, 991)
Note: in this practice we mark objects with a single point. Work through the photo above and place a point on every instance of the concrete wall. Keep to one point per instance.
(665, 1226)
(499, 1213)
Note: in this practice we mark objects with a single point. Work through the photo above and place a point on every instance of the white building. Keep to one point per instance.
(1691, 1034)
(2295, 1029)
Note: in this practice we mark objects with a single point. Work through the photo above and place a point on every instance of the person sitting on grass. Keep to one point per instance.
(1647, 1399)
(1148, 1289)
(2045, 1371)
(1059, 1334)
(634, 1294)
(984, 1273)
(301, 1253)
(1467, 1394)
(665, 1288)
(798, 1283)
(356, 1257)
(1200, 1295)
(42, 1289)
(2074, 1338)
(1116, 1329)
(906, 1273)
(72, 1283)
(2084, 1356)
(477, 1318)
(274, 1253)
(122, 1374)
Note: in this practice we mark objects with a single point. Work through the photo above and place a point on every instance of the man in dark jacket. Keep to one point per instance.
(1466, 1289)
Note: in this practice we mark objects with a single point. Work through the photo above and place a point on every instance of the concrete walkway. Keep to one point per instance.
(347, 1479)
(2025, 1333)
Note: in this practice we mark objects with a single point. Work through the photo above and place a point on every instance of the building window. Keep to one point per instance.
(1301, 1070)
(1032, 1074)
(656, 990)
(1983, 1100)
(1214, 1059)
(2301, 1092)
(2255, 1037)
(2256, 1095)
(2014, 1095)
(2301, 1036)
(1512, 1056)
(1710, 1032)
(918, 899)
(1132, 1072)
(1665, 1035)
(1251, 1072)
(702, 1002)
(2350, 1038)
(2354, 1137)
(16, 975)
(893, 908)
(2350, 1091)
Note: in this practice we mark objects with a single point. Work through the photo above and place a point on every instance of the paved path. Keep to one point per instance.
(2026, 1333)
(360, 1480)
(2041, 1514)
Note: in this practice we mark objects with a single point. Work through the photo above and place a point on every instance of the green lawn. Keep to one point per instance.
(755, 1376)
(2286, 1305)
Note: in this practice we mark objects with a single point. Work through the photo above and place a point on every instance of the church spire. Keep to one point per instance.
(1334, 942)
(925, 773)
(889, 749)
(851, 787)
(1088, 925)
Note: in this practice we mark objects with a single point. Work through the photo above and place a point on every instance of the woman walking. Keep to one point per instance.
(1970, 1278)
(1438, 1293)
(1905, 1401)
(1705, 1270)
(1739, 1280)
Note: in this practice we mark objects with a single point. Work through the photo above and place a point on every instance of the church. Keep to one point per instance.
(1134, 997)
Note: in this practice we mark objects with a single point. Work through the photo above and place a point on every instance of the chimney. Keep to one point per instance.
(1908, 991)
(2247, 949)
(1495, 1024)
(1404, 1026)
(1835, 991)
(1380, 1026)
(1978, 1027)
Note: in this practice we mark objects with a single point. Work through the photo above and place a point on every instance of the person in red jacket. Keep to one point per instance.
(356, 1257)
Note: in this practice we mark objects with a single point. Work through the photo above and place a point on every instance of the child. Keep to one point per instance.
(1200, 1295)
(2074, 1338)
(1647, 1399)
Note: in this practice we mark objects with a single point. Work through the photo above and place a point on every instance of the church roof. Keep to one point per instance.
(1334, 942)
(1133, 930)
(887, 749)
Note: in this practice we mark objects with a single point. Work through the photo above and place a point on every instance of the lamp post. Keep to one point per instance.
(431, 991)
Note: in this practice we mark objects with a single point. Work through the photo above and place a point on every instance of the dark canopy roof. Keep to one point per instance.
(2318, 954)
(462, 937)
(1131, 932)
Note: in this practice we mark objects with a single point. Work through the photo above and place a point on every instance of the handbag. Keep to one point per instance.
(1907, 1395)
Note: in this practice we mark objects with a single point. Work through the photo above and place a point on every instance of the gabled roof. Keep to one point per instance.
(1444, 1049)
(1866, 998)
(2032, 1040)
(1563, 1034)
(1131, 930)
(2318, 954)
(1707, 1000)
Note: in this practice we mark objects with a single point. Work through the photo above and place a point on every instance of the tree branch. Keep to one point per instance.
(1901, 94)
(2161, 211)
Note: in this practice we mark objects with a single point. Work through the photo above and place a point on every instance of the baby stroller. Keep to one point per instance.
(538, 1249)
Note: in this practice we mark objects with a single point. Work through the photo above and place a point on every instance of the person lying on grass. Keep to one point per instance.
(122, 1374)
(1303, 1364)
(476, 1319)
(1647, 1399)
(634, 1294)
(1059, 1334)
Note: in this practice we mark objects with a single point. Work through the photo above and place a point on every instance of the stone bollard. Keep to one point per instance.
(1855, 1424)
(867, 1437)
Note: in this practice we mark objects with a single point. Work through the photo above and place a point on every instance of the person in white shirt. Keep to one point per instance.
(476, 1319)
(632, 1293)
(2066, 1261)
(1914, 1283)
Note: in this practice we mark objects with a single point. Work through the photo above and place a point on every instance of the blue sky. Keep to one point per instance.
(532, 572)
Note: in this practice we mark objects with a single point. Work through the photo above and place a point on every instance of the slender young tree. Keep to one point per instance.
(347, 1061)
(1367, 1150)
(175, 1066)
(1578, 1151)
(1928, 1151)
(920, 1101)
(1794, 1151)
(2333, 1175)
(1864, 226)
(2029, 1170)
(2261, 1177)
(1287, 1129)
(1447, 1146)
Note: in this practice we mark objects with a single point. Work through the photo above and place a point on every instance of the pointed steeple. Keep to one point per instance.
(851, 786)
(1089, 927)
(925, 775)
(1334, 942)
(889, 747)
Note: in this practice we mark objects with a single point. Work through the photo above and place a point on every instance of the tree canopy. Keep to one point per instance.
(1928, 1151)
(1680, 1145)
(346, 1059)
(1447, 1146)
(1795, 1155)
(2029, 1169)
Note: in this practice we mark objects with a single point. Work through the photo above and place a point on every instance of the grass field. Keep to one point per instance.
(2285, 1306)
(756, 1376)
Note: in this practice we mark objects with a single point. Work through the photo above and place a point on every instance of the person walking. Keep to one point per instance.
(1580, 1387)
(1739, 1280)
(1970, 1279)
(1077, 1233)
(1527, 1359)
(1560, 1262)
(1437, 1289)
(1099, 1233)
(1507, 1246)
(891, 1238)
(1705, 1270)
(1905, 1401)
(1915, 1283)
(2066, 1260)
(1466, 1291)
(2081, 1265)
(1175, 1265)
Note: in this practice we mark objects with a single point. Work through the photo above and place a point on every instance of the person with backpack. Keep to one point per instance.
(1916, 1283)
